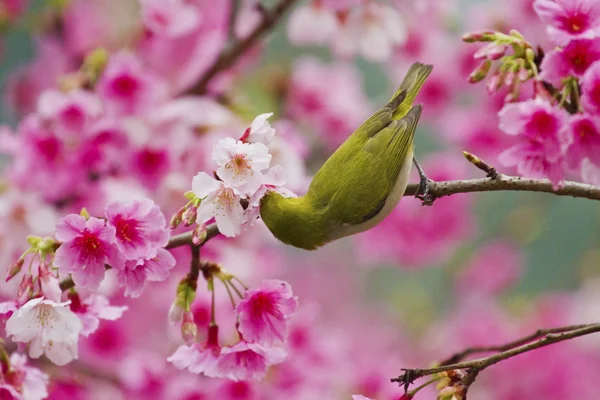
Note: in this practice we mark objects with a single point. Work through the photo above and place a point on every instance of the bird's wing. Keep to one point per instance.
(384, 154)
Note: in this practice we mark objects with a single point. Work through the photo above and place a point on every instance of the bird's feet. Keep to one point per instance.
(423, 192)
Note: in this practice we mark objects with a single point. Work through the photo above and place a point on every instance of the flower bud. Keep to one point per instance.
(49, 284)
(189, 215)
(177, 218)
(492, 51)
(480, 72)
(189, 330)
(479, 36)
(199, 234)
(25, 289)
(15, 269)
(175, 313)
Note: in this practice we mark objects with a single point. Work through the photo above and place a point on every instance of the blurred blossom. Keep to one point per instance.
(23, 381)
(92, 310)
(329, 98)
(583, 140)
(371, 31)
(495, 267)
(590, 98)
(89, 24)
(311, 23)
(170, 18)
(414, 236)
(26, 83)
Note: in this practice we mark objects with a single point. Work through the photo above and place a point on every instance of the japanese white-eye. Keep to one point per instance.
(362, 181)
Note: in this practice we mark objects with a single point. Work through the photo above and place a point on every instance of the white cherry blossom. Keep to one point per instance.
(50, 328)
(220, 201)
(241, 164)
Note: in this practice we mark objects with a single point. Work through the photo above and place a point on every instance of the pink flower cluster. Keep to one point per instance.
(130, 240)
(262, 326)
(558, 135)
(328, 99)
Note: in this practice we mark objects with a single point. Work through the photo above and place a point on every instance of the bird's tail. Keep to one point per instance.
(409, 88)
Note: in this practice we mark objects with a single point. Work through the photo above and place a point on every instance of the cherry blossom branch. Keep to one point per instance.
(228, 58)
(540, 338)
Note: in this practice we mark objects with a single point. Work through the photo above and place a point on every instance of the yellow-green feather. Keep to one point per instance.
(353, 185)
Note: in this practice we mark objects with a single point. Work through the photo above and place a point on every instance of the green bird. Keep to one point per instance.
(362, 181)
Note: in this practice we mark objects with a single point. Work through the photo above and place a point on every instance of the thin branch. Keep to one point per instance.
(228, 58)
(457, 357)
(474, 367)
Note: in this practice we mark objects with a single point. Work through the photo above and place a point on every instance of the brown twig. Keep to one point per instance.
(474, 367)
(229, 57)
(457, 357)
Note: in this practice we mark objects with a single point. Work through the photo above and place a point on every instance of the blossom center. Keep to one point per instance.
(261, 304)
(127, 229)
(239, 164)
(125, 85)
(226, 197)
(45, 315)
(576, 22)
(90, 244)
(541, 124)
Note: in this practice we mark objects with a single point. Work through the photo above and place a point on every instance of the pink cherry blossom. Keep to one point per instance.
(140, 227)
(360, 397)
(260, 131)
(219, 201)
(590, 173)
(127, 87)
(569, 19)
(572, 60)
(583, 138)
(241, 164)
(247, 361)
(539, 155)
(154, 268)
(263, 312)
(87, 246)
(28, 382)
(50, 328)
(94, 308)
(311, 24)
(170, 18)
(49, 284)
(590, 99)
(200, 358)
(72, 113)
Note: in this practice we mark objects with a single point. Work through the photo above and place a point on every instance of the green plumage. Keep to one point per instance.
(360, 183)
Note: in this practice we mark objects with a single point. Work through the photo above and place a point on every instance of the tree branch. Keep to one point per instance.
(507, 183)
(474, 367)
(228, 58)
